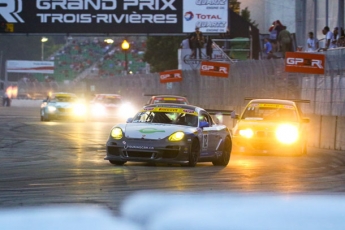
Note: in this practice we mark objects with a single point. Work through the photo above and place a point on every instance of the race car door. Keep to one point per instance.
(209, 135)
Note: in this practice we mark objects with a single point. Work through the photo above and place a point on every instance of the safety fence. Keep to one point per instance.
(247, 79)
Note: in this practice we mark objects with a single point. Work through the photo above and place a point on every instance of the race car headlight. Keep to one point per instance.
(51, 109)
(116, 133)
(79, 109)
(176, 136)
(248, 133)
(287, 134)
(98, 110)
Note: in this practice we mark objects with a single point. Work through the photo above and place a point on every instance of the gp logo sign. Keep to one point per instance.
(214, 69)
(309, 63)
(9, 10)
(170, 76)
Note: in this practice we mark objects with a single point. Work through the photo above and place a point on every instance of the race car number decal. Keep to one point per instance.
(204, 141)
(278, 106)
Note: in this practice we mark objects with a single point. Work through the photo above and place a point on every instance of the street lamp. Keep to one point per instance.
(125, 47)
(43, 40)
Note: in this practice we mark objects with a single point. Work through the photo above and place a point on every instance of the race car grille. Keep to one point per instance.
(113, 151)
(264, 146)
(264, 134)
(139, 154)
(171, 153)
(65, 110)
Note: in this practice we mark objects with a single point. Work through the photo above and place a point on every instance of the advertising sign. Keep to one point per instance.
(170, 76)
(310, 63)
(46, 67)
(209, 16)
(214, 69)
(91, 16)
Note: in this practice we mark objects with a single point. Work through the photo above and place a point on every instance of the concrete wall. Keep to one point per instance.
(327, 132)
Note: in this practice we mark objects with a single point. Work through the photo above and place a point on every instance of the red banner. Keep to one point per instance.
(310, 63)
(170, 76)
(214, 69)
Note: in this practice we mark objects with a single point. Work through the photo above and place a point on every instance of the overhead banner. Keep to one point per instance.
(300, 62)
(211, 16)
(170, 76)
(91, 16)
(214, 69)
(45, 67)
(113, 16)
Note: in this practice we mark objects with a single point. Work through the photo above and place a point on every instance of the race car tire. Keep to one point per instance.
(44, 116)
(224, 159)
(194, 153)
(117, 162)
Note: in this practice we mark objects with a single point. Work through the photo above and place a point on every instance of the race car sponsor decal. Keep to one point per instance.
(264, 105)
(171, 110)
(151, 130)
(140, 147)
(205, 141)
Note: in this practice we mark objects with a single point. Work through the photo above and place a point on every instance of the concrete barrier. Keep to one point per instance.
(26, 103)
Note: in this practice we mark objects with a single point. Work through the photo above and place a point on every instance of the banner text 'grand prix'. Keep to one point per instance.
(108, 16)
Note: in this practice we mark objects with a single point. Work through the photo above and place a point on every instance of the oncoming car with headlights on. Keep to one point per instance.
(170, 133)
(271, 126)
(165, 98)
(109, 106)
(63, 106)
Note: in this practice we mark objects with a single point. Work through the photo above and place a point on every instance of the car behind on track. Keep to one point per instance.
(270, 126)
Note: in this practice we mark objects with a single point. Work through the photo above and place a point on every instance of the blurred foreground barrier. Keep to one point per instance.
(205, 211)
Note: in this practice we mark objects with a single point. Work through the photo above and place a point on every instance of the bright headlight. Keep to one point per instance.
(126, 110)
(287, 134)
(98, 110)
(116, 133)
(176, 136)
(79, 109)
(51, 109)
(248, 133)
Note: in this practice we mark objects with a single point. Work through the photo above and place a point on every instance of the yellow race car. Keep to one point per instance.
(270, 126)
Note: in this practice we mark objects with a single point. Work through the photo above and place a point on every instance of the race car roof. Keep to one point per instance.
(273, 101)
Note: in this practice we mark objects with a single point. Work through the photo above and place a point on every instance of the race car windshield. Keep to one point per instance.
(64, 99)
(110, 100)
(167, 118)
(270, 112)
(171, 101)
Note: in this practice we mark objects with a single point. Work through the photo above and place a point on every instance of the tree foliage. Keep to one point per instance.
(161, 52)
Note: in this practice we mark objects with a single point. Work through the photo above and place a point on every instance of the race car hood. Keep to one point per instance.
(153, 131)
(256, 125)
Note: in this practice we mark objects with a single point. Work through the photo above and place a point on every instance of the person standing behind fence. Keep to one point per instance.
(328, 38)
(197, 41)
(268, 49)
(285, 41)
(312, 43)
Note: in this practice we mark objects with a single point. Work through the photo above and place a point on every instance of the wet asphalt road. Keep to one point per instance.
(44, 163)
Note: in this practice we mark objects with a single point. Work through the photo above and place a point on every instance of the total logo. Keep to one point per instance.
(188, 15)
(9, 10)
(207, 16)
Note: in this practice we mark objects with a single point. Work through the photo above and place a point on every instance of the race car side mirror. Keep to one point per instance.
(129, 120)
(204, 124)
(234, 115)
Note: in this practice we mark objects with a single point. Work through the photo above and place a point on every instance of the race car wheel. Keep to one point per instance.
(44, 116)
(194, 153)
(117, 162)
(224, 159)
